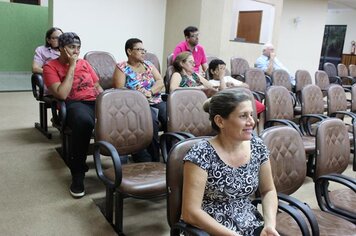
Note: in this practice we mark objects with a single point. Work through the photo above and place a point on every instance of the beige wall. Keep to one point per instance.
(107, 25)
(299, 45)
(179, 15)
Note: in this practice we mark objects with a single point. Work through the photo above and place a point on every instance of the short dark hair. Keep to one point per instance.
(190, 29)
(130, 43)
(49, 33)
(224, 102)
(213, 65)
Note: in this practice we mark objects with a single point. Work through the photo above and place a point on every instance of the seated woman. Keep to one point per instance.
(48, 51)
(141, 75)
(217, 71)
(220, 173)
(185, 77)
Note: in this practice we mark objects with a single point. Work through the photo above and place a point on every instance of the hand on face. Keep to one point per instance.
(272, 55)
(71, 58)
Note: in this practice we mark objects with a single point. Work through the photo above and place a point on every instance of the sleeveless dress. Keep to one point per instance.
(137, 81)
(228, 189)
(190, 82)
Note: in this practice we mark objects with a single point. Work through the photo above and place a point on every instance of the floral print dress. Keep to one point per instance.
(228, 189)
(139, 81)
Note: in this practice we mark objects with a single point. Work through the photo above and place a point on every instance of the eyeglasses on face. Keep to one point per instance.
(54, 38)
(142, 50)
(196, 35)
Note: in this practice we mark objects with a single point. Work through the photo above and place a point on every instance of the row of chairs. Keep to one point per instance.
(118, 135)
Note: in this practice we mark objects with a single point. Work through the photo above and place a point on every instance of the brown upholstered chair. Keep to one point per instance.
(124, 126)
(256, 80)
(175, 186)
(170, 60)
(289, 172)
(302, 79)
(343, 73)
(238, 67)
(185, 117)
(154, 59)
(281, 78)
(104, 65)
(352, 71)
(330, 70)
(44, 102)
(279, 109)
(332, 158)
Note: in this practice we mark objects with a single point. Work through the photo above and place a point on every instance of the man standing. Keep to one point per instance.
(192, 45)
(268, 62)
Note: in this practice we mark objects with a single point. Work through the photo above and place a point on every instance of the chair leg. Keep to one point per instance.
(119, 204)
(109, 206)
(43, 125)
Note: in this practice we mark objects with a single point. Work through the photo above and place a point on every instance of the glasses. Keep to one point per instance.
(191, 62)
(142, 50)
(194, 35)
(54, 38)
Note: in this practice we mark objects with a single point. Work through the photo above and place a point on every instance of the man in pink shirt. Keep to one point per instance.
(192, 45)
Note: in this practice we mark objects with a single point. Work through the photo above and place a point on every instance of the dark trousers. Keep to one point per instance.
(159, 117)
(81, 120)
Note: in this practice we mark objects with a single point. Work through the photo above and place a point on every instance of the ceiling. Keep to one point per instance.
(342, 4)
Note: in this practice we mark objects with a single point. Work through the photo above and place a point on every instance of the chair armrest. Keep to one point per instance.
(110, 150)
(59, 113)
(166, 142)
(181, 226)
(322, 194)
(305, 122)
(293, 212)
(346, 113)
(37, 86)
(303, 207)
(335, 80)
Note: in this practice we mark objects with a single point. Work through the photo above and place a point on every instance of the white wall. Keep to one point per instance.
(344, 17)
(106, 25)
(299, 45)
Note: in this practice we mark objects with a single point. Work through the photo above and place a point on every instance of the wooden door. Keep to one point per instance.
(249, 26)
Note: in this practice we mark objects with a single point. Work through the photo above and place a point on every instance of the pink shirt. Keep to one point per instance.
(85, 78)
(44, 54)
(198, 53)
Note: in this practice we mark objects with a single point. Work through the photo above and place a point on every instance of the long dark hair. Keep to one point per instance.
(49, 33)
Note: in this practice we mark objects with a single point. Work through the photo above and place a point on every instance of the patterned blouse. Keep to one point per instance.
(138, 81)
(226, 196)
(190, 82)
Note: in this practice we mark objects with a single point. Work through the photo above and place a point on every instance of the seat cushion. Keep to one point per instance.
(344, 199)
(141, 179)
(328, 224)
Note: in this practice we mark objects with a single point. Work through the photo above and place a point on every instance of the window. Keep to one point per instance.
(31, 2)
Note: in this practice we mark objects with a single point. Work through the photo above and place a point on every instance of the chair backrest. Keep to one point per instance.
(167, 78)
(336, 99)
(352, 70)
(279, 103)
(333, 147)
(185, 112)
(174, 178)
(153, 59)
(330, 69)
(342, 70)
(322, 80)
(312, 100)
(353, 98)
(170, 60)
(281, 78)
(104, 65)
(302, 78)
(256, 80)
(238, 66)
(287, 157)
(123, 118)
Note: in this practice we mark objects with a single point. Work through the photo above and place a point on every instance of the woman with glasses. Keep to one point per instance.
(185, 76)
(141, 75)
(48, 51)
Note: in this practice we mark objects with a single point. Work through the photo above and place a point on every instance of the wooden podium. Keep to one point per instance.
(348, 59)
